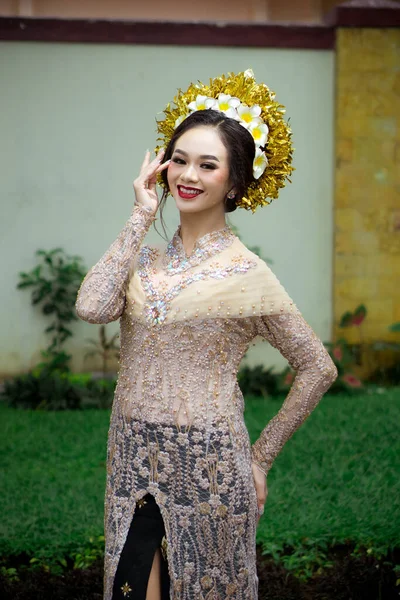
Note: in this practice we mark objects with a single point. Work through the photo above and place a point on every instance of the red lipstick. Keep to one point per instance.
(187, 192)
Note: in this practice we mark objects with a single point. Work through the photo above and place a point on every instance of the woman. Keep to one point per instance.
(185, 488)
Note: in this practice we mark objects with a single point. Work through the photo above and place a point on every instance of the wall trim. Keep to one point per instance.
(16, 29)
(381, 14)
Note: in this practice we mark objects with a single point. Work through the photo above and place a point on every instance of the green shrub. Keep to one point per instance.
(258, 381)
(98, 393)
(82, 557)
(51, 390)
(43, 391)
(388, 375)
(55, 282)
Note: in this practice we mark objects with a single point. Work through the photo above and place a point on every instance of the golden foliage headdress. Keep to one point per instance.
(254, 106)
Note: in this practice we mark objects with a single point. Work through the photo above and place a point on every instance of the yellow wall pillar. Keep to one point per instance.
(367, 194)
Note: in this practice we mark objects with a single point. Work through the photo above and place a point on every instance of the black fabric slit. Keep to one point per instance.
(144, 537)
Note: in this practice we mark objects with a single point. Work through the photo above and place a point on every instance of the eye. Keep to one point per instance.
(178, 161)
(209, 166)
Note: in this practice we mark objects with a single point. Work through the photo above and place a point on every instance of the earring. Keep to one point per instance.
(231, 195)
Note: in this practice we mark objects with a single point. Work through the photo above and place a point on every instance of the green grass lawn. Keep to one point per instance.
(337, 479)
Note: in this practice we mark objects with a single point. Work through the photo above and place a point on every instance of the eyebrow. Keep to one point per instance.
(203, 156)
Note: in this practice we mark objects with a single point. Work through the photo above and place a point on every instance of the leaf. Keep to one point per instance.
(38, 295)
(24, 284)
(359, 315)
(49, 308)
(63, 329)
(346, 319)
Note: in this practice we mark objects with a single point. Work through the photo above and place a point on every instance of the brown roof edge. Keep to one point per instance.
(167, 33)
(365, 13)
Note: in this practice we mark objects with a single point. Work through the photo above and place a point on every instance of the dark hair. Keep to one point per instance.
(237, 140)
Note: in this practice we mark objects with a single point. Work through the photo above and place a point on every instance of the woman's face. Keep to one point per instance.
(198, 175)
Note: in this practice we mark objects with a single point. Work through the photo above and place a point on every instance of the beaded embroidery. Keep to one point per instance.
(158, 304)
(126, 589)
(175, 260)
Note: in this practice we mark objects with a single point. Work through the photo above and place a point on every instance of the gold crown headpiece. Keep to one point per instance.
(253, 105)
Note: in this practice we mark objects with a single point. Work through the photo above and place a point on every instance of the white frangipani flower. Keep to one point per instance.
(259, 164)
(259, 130)
(202, 103)
(228, 105)
(248, 113)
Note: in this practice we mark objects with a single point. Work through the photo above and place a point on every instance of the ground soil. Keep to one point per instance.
(351, 578)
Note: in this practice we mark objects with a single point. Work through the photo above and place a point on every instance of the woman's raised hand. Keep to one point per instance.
(145, 184)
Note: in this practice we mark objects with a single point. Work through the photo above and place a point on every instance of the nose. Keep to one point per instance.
(189, 174)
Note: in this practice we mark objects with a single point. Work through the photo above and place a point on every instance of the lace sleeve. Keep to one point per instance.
(315, 373)
(101, 297)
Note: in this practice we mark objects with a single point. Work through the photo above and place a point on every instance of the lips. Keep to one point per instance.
(188, 192)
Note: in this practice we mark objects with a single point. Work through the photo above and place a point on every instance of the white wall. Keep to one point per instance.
(75, 121)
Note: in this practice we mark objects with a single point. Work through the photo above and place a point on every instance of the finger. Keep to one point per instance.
(151, 184)
(153, 171)
(146, 160)
(152, 176)
(163, 166)
(157, 159)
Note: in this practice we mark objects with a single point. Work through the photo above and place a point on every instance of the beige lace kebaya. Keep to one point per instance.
(177, 429)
